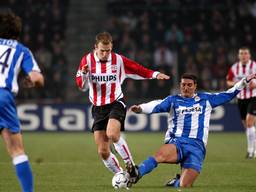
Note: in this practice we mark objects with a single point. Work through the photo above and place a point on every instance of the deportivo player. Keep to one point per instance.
(103, 72)
(187, 134)
(15, 57)
(247, 97)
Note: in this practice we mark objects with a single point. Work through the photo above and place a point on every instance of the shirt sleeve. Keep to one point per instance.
(230, 75)
(136, 71)
(81, 78)
(226, 96)
(157, 106)
(29, 63)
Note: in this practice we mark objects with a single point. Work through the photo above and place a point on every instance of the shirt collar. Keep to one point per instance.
(98, 60)
(246, 63)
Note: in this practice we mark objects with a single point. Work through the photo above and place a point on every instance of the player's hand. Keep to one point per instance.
(162, 76)
(250, 77)
(136, 109)
(85, 69)
(27, 83)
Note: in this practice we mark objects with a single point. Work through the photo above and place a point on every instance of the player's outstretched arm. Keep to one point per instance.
(162, 76)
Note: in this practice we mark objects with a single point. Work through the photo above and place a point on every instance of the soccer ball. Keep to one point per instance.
(120, 180)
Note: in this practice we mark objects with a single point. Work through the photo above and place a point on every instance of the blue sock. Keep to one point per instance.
(147, 166)
(24, 172)
(177, 183)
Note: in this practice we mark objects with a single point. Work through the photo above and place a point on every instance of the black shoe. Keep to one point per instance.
(249, 155)
(172, 181)
(133, 172)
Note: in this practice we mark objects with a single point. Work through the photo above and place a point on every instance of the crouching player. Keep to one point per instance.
(187, 134)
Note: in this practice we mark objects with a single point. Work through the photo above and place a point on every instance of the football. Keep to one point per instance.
(120, 180)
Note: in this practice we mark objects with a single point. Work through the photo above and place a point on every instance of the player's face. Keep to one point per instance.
(244, 55)
(103, 50)
(187, 87)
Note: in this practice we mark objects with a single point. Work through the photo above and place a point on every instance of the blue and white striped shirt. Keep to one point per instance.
(13, 57)
(190, 117)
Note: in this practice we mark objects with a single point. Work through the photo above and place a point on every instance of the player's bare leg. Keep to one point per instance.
(13, 143)
(14, 146)
(166, 154)
(250, 133)
(114, 134)
(188, 177)
(108, 158)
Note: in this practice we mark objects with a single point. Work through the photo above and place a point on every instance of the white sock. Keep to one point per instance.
(250, 133)
(123, 150)
(112, 163)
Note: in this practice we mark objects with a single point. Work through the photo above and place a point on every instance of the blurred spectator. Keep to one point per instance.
(44, 32)
(205, 34)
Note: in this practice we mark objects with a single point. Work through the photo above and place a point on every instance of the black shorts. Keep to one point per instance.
(247, 106)
(101, 114)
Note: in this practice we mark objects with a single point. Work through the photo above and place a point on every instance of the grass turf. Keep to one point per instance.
(68, 162)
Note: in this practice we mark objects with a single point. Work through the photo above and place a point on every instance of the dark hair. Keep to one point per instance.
(189, 76)
(103, 37)
(10, 25)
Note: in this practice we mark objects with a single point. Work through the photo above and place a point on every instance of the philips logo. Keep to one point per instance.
(103, 78)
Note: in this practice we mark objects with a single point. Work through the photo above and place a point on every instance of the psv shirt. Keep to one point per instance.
(104, 78)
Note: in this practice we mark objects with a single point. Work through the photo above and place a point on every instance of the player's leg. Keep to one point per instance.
(245, 109)
(188, 177)
(108, 158)
(166, 154)
(191, 154)
(121, 146)
(251, 136)
(250, 127)
(114, 128)
(14, 146)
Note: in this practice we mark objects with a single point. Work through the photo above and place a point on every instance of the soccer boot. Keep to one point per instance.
(133, 172)
(172, 181)
(249, 155)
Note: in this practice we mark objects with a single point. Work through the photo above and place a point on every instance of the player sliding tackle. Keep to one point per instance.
(187, 133)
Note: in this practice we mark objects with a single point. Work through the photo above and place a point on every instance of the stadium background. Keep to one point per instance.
(173, 36)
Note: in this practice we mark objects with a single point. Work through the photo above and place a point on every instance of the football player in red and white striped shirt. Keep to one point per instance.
(103, 72)
(247, 97)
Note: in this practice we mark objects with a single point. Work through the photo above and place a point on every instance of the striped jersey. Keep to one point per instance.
(239, 71)
(190, 117)
(104, 78)
(14, 57)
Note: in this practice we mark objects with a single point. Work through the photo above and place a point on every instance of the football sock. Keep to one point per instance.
(177, 183)
(112, 163)
(147, 166)
(250, 133)
(24, 172)
(123, 150)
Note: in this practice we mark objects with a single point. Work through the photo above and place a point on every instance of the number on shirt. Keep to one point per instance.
(4, 59)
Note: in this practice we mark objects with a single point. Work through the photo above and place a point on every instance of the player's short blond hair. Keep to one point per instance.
(245, 48)
(104, 38)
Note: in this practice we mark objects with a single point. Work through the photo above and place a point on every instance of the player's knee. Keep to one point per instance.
(249, 123)
(113, 136)
(160, 157)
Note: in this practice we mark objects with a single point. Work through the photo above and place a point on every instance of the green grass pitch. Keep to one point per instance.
(68, 162)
